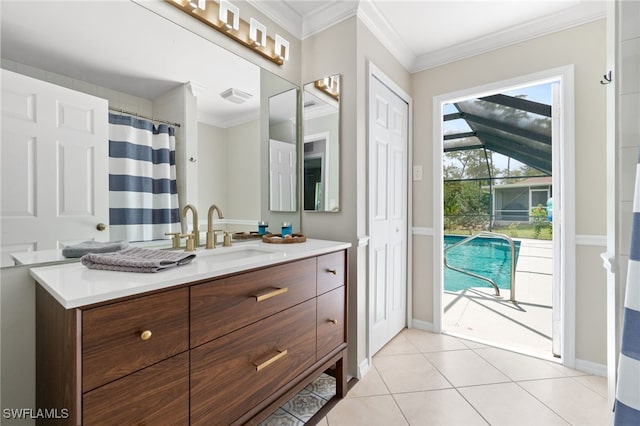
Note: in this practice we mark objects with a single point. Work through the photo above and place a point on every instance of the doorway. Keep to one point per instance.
(509, 128)
(316, 176)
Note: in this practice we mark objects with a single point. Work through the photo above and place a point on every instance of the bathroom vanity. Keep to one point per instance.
(224, 340)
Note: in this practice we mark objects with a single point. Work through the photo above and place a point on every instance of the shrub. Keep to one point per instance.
(539, 220)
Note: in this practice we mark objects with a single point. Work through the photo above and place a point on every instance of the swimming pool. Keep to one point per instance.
(485, 256)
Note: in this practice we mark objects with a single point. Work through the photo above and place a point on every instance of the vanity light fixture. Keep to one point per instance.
(329, 86)
(282, 48)
(257, 32)
(225, 18)
(229, 15)
(201, 4)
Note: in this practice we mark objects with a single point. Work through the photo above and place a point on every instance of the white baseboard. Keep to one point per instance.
(363, 368)
(421, 325)
(591, 367)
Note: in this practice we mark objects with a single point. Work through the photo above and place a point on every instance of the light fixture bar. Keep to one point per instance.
(329, 86)
(223, 18)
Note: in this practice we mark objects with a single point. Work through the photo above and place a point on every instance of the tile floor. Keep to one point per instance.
(422, 378)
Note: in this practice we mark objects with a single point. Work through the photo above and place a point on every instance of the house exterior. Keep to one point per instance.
(512, 202)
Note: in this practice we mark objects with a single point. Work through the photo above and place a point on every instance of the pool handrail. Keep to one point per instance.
(512, 297)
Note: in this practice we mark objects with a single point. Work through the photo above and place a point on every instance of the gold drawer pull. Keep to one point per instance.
(269, 293)
(334, 321)
(260, 366)
(332, 271)
(145, 335)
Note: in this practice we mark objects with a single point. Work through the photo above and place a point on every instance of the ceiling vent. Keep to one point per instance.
(236, 96)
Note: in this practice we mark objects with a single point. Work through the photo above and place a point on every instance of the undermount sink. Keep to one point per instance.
(233, 253)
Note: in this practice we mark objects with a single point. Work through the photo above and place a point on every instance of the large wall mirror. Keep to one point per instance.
(222, 143)
(321, 171)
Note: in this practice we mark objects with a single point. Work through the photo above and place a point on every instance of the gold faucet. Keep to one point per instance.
(196, 233)
(211, 234)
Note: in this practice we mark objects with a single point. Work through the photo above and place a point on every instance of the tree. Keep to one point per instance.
(466, 204)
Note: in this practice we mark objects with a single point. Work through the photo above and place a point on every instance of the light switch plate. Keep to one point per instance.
(417, 172)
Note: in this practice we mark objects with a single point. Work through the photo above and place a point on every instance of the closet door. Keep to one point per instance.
(388, 211)
(54, 173)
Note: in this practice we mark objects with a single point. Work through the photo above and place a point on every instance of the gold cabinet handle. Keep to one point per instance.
(333, 321)
(261, 365)
(145, 335)
(332, 271)
(101, 226)
(269, 293)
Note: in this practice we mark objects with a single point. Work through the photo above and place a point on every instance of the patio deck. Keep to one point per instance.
(523, 327)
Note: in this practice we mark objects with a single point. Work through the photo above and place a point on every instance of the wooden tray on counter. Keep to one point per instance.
(246, 235)
(277, 239)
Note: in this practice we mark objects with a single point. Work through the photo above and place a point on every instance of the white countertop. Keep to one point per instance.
(74, 285)
(39, 256)
(55, 255)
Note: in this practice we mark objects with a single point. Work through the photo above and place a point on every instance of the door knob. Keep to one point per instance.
(101, 226)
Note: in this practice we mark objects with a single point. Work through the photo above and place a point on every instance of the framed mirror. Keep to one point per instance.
(321, 168)
(283, 137)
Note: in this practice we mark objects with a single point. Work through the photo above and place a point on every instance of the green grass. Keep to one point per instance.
(524, 230)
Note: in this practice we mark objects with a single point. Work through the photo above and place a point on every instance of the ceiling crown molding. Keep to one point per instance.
(371, 16)
(314, 22)
(336, 11)
(327, 16)
(581, 14)
(281, 14)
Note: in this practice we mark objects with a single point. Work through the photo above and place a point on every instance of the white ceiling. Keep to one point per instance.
(427, 33)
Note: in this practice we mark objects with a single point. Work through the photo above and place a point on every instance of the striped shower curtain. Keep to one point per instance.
(143, 195)
(627, 408)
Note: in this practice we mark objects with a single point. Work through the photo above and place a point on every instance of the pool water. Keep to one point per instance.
(485, 256)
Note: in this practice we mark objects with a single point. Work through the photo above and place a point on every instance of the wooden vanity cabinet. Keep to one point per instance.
(226, 351)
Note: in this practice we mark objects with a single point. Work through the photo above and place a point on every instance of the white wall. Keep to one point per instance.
(583, 46)
(229, 172)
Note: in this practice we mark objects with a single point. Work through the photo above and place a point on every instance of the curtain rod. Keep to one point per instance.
(120, 110)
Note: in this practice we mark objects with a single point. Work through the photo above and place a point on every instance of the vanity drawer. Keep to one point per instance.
(222, 306)
(331, 271)
(234, 373)
(113, 344)
(331, 321)
(158, 394)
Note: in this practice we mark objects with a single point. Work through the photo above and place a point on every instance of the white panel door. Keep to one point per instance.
(388, 142)
(282, 176)
(54, 156)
